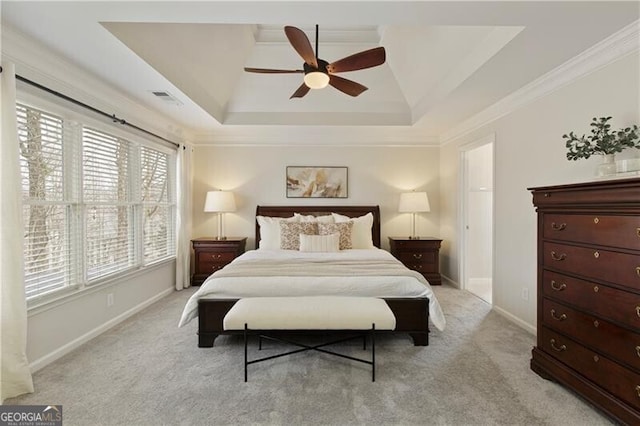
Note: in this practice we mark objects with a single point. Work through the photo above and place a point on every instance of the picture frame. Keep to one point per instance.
(317, 182)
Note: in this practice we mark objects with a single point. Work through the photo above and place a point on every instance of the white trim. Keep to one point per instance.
(74, 344)
(514, 319)
(450, 281)
(609, 50)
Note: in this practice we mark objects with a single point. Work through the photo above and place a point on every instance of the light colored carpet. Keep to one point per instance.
(146, 371)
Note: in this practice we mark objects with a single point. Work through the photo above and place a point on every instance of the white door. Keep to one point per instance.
(477, 223)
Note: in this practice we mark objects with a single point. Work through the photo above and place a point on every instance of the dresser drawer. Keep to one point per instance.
(619, 343)
(606, 302)
(620, 381)
(592, 263)
(606, 230)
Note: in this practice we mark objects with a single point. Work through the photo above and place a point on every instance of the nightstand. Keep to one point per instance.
(211, 254)
(421, 255)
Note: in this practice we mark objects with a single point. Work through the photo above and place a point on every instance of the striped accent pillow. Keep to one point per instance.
(320, 243)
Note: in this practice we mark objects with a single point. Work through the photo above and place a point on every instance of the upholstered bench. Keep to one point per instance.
(265, 315)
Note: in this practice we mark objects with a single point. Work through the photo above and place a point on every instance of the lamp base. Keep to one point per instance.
(415, 237)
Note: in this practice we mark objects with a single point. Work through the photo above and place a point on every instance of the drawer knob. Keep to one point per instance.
(556, 317)
(558, 257)
(216, 256)
(596, 358)
(638, 351)
(557, 227)
(596, 220)
(638, 271)
(596, 324)
(417, 266)
(596, 289)
(417, 255)
(638, 311)
(556, 287)
(638, 390)
(547, 195)
(556, 348)
(638, 232)
(596, 254)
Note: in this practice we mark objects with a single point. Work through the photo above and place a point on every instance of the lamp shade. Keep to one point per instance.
(412, 202)
(219, 201)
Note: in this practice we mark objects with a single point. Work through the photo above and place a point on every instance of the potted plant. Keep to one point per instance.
(602, 141)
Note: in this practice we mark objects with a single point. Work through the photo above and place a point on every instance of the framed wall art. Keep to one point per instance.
(316, 182)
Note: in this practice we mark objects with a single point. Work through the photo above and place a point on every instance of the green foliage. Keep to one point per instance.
(602, 140)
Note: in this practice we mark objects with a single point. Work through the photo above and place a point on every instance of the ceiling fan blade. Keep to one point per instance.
(358, 61)
(272, 71)
(349, 87)
(301, 44)
(302, 90)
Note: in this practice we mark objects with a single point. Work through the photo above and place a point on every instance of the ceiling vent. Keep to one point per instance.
(166, 97)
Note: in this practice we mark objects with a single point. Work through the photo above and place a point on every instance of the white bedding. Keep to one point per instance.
(219, 286)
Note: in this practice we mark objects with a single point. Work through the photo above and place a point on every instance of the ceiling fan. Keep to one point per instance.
(319, 73)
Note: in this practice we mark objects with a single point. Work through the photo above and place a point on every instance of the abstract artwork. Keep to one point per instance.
(316, 182)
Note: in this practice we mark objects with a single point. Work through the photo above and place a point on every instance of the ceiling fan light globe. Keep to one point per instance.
(316, 79)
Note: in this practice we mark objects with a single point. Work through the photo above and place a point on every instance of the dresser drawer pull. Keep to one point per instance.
(638, 232)
(638, 311)
(638, 390)
(556, 287)
(556, 348)
(596, 324)
(638, 351)
(556, 317)
(596, 220)
(596, 358)
(638, 271)
(596, 289)
(557, 227)
(216, 256)
(557, 257)
(417, 255)
(416, 267)
(596, 254)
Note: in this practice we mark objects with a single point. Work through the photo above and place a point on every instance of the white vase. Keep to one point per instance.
(608, 166)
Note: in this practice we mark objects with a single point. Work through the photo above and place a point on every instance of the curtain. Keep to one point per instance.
(15, 376)
(183, 217)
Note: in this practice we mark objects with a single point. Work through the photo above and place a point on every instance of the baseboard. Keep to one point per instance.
(450, 281)
(514, 319)
(74, 344)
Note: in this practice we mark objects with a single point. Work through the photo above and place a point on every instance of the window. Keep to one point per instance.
(96, 204)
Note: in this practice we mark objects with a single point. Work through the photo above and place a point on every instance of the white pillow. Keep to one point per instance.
(320, 243)
(270, 230)
(361, 232)
(328, 218)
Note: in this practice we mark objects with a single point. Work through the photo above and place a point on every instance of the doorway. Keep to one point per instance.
(477, 218)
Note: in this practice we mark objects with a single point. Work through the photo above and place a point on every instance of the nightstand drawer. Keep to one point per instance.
(215, 256)
(418, 257)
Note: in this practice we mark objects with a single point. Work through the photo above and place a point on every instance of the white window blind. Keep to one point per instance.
(158, 216)
(47, 212)
(95, 204)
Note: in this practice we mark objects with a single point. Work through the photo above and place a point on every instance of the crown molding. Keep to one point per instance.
(613, 48)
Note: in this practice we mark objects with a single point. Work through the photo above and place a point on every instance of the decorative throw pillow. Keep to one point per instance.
(290, 233)
(361, 235)
(320, 243)
(270, 230)
(326, 218)
(344, 229)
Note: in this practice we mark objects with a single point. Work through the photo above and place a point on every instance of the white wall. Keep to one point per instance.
(529, 152)
(256, 174)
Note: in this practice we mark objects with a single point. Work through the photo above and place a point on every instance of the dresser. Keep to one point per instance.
(589, 292)
(422, 255)
(211, 254)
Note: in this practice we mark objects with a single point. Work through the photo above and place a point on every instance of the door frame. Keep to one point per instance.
(463, 206)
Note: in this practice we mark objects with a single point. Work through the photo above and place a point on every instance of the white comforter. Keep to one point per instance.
(224, 285)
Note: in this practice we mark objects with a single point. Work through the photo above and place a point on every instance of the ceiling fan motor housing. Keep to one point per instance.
(316, 78)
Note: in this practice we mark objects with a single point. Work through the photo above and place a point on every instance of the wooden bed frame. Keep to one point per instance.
(412, 314)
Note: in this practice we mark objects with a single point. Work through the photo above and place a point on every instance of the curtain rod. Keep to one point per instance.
(89, 107)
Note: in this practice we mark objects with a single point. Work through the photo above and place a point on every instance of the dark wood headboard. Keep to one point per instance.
(350, 211)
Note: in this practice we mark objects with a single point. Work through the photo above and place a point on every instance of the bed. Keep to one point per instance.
(360, 272)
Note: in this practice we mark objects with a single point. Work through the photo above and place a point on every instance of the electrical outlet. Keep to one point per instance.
(109, 300)
(525, 293)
